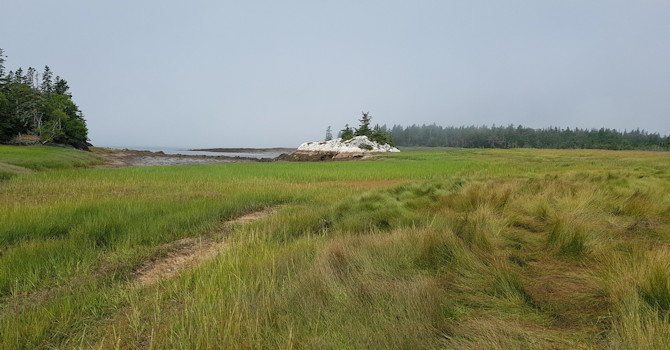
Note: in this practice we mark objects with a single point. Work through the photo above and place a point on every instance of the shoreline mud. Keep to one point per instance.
(117, 158)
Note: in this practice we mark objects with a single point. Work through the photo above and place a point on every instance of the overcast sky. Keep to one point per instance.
(277, 73)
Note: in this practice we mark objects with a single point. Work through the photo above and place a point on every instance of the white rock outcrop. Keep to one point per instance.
(356, 145)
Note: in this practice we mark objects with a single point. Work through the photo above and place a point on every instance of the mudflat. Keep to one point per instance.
(121, 158)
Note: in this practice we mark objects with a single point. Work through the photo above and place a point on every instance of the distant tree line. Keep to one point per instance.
(40, 105)
(520, 137)
(377, 134)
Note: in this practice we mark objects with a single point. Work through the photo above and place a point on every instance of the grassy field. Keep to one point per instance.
(456, 249)
(21, 160)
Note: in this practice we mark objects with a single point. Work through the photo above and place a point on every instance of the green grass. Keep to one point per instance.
(428, 249)
(21, 159)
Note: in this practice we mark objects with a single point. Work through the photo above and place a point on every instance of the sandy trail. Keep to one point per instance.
(181, 254)
(190, 252)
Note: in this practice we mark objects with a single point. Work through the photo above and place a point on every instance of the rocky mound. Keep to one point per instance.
(357, 147)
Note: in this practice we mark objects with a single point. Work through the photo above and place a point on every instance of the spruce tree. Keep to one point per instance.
(347, 133)
(61, 87)
(364, 129)
(380, 136)
(2, 63)
(47, 82)
(329, 134)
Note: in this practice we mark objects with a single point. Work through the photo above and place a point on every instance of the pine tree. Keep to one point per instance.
(2, 63)
(347, 133)
(380, 136)
(61, 87)
(32, 77)
(329, 134)
(47, 83)
(364, 129)
(18, 76)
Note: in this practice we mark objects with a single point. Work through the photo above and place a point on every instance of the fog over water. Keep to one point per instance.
(203, 74)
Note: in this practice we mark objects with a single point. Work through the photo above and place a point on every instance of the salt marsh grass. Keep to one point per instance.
(19, 160)
(443, 249)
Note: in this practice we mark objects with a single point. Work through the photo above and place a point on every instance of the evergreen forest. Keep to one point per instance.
(524, 137)
(38, 107)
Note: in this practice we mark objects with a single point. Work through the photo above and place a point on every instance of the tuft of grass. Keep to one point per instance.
(507, 284)
(569, 236)
(636, 204)
(479, 229)
(655, 289)
(399, 206)
(437, 250)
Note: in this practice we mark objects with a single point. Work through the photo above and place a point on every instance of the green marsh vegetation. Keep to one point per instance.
(432, 249)
(20, 160)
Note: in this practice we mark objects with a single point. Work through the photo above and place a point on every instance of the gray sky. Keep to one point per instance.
(277, 73)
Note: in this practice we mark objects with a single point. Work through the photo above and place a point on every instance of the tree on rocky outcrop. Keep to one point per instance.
(329, 134)
(347, 133)
(380, 136)
(364, 129)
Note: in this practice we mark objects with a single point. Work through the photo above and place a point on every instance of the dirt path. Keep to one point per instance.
(190, 252)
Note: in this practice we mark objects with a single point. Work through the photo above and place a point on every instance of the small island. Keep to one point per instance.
(351, 144)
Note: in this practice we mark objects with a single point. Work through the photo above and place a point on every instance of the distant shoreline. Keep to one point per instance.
(126, 157)
(245, 152)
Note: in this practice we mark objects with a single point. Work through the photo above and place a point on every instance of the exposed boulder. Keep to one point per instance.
(357, 147)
